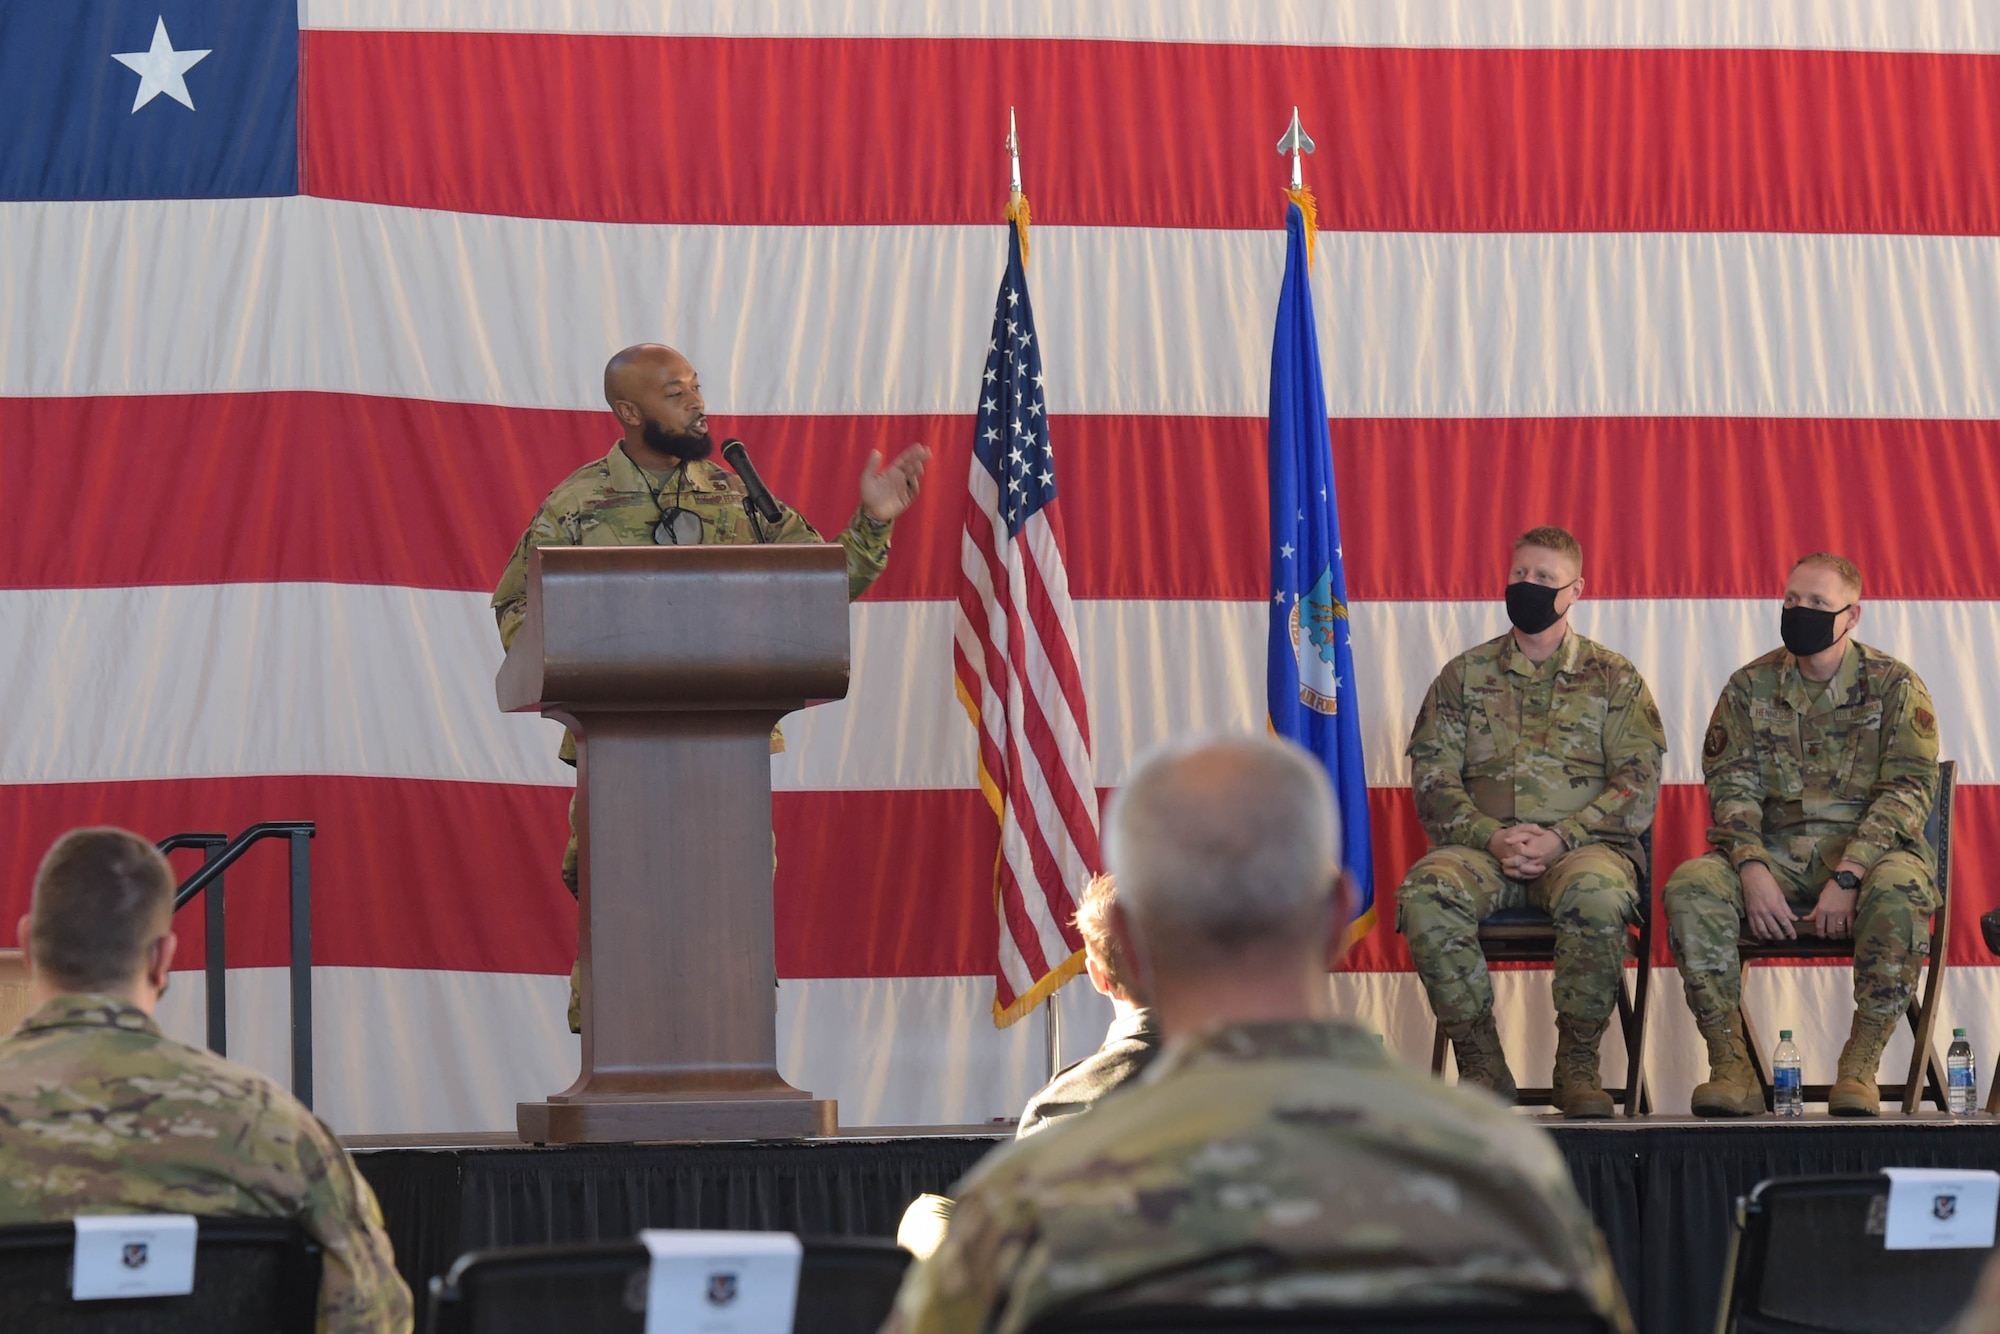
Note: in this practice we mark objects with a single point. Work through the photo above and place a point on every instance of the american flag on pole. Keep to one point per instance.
(1015, 654)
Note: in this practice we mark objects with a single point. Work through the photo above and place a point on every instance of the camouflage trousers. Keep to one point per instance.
(1592, 893)
(1704, 907)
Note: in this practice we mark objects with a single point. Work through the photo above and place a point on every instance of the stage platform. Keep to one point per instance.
(1662, 1188)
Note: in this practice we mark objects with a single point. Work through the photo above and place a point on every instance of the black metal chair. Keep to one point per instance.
(846, 1286)
(1528, 935)
(1807, 1255)
(251, 1276)
(1554, 1314)
(1926, 1076)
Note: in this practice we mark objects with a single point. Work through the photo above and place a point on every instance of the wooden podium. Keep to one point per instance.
(671, 665)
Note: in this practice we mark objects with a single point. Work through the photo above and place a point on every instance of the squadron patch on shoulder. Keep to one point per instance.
(1925, 722)
(1717, 742)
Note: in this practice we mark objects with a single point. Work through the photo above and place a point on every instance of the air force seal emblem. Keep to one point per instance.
(722, 1288)
(1316, 621)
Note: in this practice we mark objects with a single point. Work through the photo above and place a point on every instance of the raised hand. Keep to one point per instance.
(886, 491)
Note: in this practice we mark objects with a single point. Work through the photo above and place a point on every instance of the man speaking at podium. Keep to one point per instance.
(657, 486)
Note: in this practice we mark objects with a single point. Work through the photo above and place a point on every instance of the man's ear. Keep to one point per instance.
(160, 960)
(628, 413)
(22, 930)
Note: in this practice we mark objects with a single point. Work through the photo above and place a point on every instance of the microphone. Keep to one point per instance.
(758, 495)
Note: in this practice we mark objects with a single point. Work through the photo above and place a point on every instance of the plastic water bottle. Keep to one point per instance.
(1964, 1074)
(1788, 1092)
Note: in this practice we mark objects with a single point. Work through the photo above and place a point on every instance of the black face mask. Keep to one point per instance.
(1808, 630)
(681, 445)
(1532, 607)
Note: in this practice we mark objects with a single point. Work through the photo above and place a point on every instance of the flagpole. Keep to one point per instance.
(1295, 142)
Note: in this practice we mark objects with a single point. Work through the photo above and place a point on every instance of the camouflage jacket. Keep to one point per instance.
(1572, 744)
(609, 503)
(1264, 1165)
(1846, 772)
(1130, 1045)
(100, 1114)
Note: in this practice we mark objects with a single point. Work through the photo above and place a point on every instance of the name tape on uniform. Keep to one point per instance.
(132, 1255)
(721, 1282)
(1940, 1208)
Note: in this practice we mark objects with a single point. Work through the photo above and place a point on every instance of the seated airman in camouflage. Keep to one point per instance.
(1271, 1155)
(1821, 762)
(102, 1114)
(1535, 763)
(658, 486)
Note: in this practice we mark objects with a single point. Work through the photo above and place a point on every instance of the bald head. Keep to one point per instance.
(1224, 844)
(656, 395)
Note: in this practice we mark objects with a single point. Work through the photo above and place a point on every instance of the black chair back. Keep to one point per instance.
(1808, 1255)
(846, 1286)
(1550, 1315)
(251, 1276)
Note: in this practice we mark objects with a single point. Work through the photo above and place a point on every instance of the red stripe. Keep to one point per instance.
(1054, 617)
(870, 884)
(434, 495)
(405, 874)
(1077, 809)
(792, 131)
(1022, 784)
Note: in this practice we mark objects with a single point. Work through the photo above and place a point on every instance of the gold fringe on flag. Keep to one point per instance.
(1303, 197)
(1017, 213)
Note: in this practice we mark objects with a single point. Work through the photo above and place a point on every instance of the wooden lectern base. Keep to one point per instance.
(621, 1122)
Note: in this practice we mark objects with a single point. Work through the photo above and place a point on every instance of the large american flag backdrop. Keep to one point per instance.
(1711, 284)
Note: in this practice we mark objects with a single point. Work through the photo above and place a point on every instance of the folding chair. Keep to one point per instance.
(1528, 935)
(846, 1286)
(250, 1274)
(1927, 1073)
(1806, 1254)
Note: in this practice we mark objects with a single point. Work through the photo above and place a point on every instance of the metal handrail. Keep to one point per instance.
(216, 967)
(218, 858)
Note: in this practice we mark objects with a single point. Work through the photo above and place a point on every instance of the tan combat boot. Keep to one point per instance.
(1854, 1093)
(1732, 1088)
(1480, 1060)
(1579, 1093)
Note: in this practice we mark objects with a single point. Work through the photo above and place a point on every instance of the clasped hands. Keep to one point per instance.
(1525, 850)
(1770, 917)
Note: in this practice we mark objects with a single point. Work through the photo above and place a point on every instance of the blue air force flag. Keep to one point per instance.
(1310, 677)
(148, 99)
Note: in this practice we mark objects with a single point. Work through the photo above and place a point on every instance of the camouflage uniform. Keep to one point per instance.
(1802, 777)
(101, 1114)
(609, 502)
(1572, 744)
(1282, 1164)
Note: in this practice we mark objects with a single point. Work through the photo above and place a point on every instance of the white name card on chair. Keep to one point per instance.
(1940, 1208)
(721, 1282)
(132, 1255)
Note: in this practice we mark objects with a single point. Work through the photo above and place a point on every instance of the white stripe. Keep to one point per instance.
(872, 319)
(399, 1051)
(219, 679)
(1894, 25)
(397, 682)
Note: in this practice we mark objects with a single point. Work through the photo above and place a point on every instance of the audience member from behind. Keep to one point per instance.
(1271, 1156)
(1130, 1044)
(102, 1114)
(1133, 1038)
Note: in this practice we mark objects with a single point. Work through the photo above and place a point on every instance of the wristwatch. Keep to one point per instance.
(1847, 880)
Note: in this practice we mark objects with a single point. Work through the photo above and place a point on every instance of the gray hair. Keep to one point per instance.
(1234, 838)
